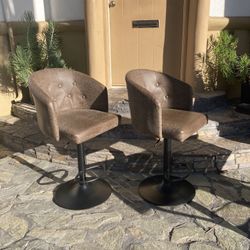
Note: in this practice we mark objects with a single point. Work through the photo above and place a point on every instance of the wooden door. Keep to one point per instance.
(133, 47)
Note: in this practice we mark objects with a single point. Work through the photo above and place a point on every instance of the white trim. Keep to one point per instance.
(229, 8)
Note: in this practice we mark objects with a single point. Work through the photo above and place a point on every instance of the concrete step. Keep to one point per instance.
(226, 122)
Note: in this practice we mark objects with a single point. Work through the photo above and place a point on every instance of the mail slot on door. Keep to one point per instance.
(145, 24)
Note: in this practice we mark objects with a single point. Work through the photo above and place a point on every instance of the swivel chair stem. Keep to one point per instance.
(167, 161)
(81, 164)
(79, 193)
(165, 189)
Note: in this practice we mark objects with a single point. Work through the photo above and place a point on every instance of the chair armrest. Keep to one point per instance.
(146, 113)
(46, 114)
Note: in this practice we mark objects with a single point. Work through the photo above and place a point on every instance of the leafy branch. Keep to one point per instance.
(37, 51)
(222, 62)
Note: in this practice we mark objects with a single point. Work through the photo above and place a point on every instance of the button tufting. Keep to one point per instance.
(59, 85)
(69, 95)
(83, 96)
(157, 84)
(166, 97)
(74, 83)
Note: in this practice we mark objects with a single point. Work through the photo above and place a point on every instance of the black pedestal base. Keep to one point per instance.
(154, 191)
(243, 108)
(73, 195)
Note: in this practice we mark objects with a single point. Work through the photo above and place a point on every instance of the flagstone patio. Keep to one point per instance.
(31, 165)
(217, 218)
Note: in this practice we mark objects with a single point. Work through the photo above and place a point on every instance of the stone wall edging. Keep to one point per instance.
(24, 136)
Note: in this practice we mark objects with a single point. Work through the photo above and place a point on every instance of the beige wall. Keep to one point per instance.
(98, 40)
(185, 36)
(173, 50)
(5, 102)
(72, 34)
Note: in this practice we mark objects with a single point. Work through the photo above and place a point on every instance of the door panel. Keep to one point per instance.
(133, 48)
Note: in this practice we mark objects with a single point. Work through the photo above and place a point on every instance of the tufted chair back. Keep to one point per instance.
(57, 90)
(170, 92)
(149, 93)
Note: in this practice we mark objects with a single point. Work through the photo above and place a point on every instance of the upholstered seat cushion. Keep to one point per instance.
(81, 125)
(179, 124)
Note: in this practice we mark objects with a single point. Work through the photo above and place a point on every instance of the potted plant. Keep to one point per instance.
(35, 53)
(218, 64)
(221, 67)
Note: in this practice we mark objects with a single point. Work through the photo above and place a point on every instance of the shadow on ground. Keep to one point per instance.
(126, 168)
(214, 192)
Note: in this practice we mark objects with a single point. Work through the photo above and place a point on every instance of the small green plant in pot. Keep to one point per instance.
(37, 51)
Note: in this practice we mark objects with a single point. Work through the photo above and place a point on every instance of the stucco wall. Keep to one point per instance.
(57, 10)
(229, 8)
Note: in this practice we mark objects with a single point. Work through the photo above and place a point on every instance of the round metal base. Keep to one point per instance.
(154, 191)
(73, 195)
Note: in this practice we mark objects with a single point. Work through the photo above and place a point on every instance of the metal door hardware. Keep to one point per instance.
(145, 24)
(112, 3)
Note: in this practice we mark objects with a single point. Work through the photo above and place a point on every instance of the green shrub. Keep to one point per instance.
(21, 62)
(35, 52)
(221, 62)
(243, 68)
(224, 49)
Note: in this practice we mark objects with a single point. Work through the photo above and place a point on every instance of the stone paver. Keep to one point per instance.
(215, 219)
(5, 151)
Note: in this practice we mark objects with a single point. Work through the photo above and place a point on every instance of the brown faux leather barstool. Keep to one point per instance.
(160, 106)
(71, 104)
